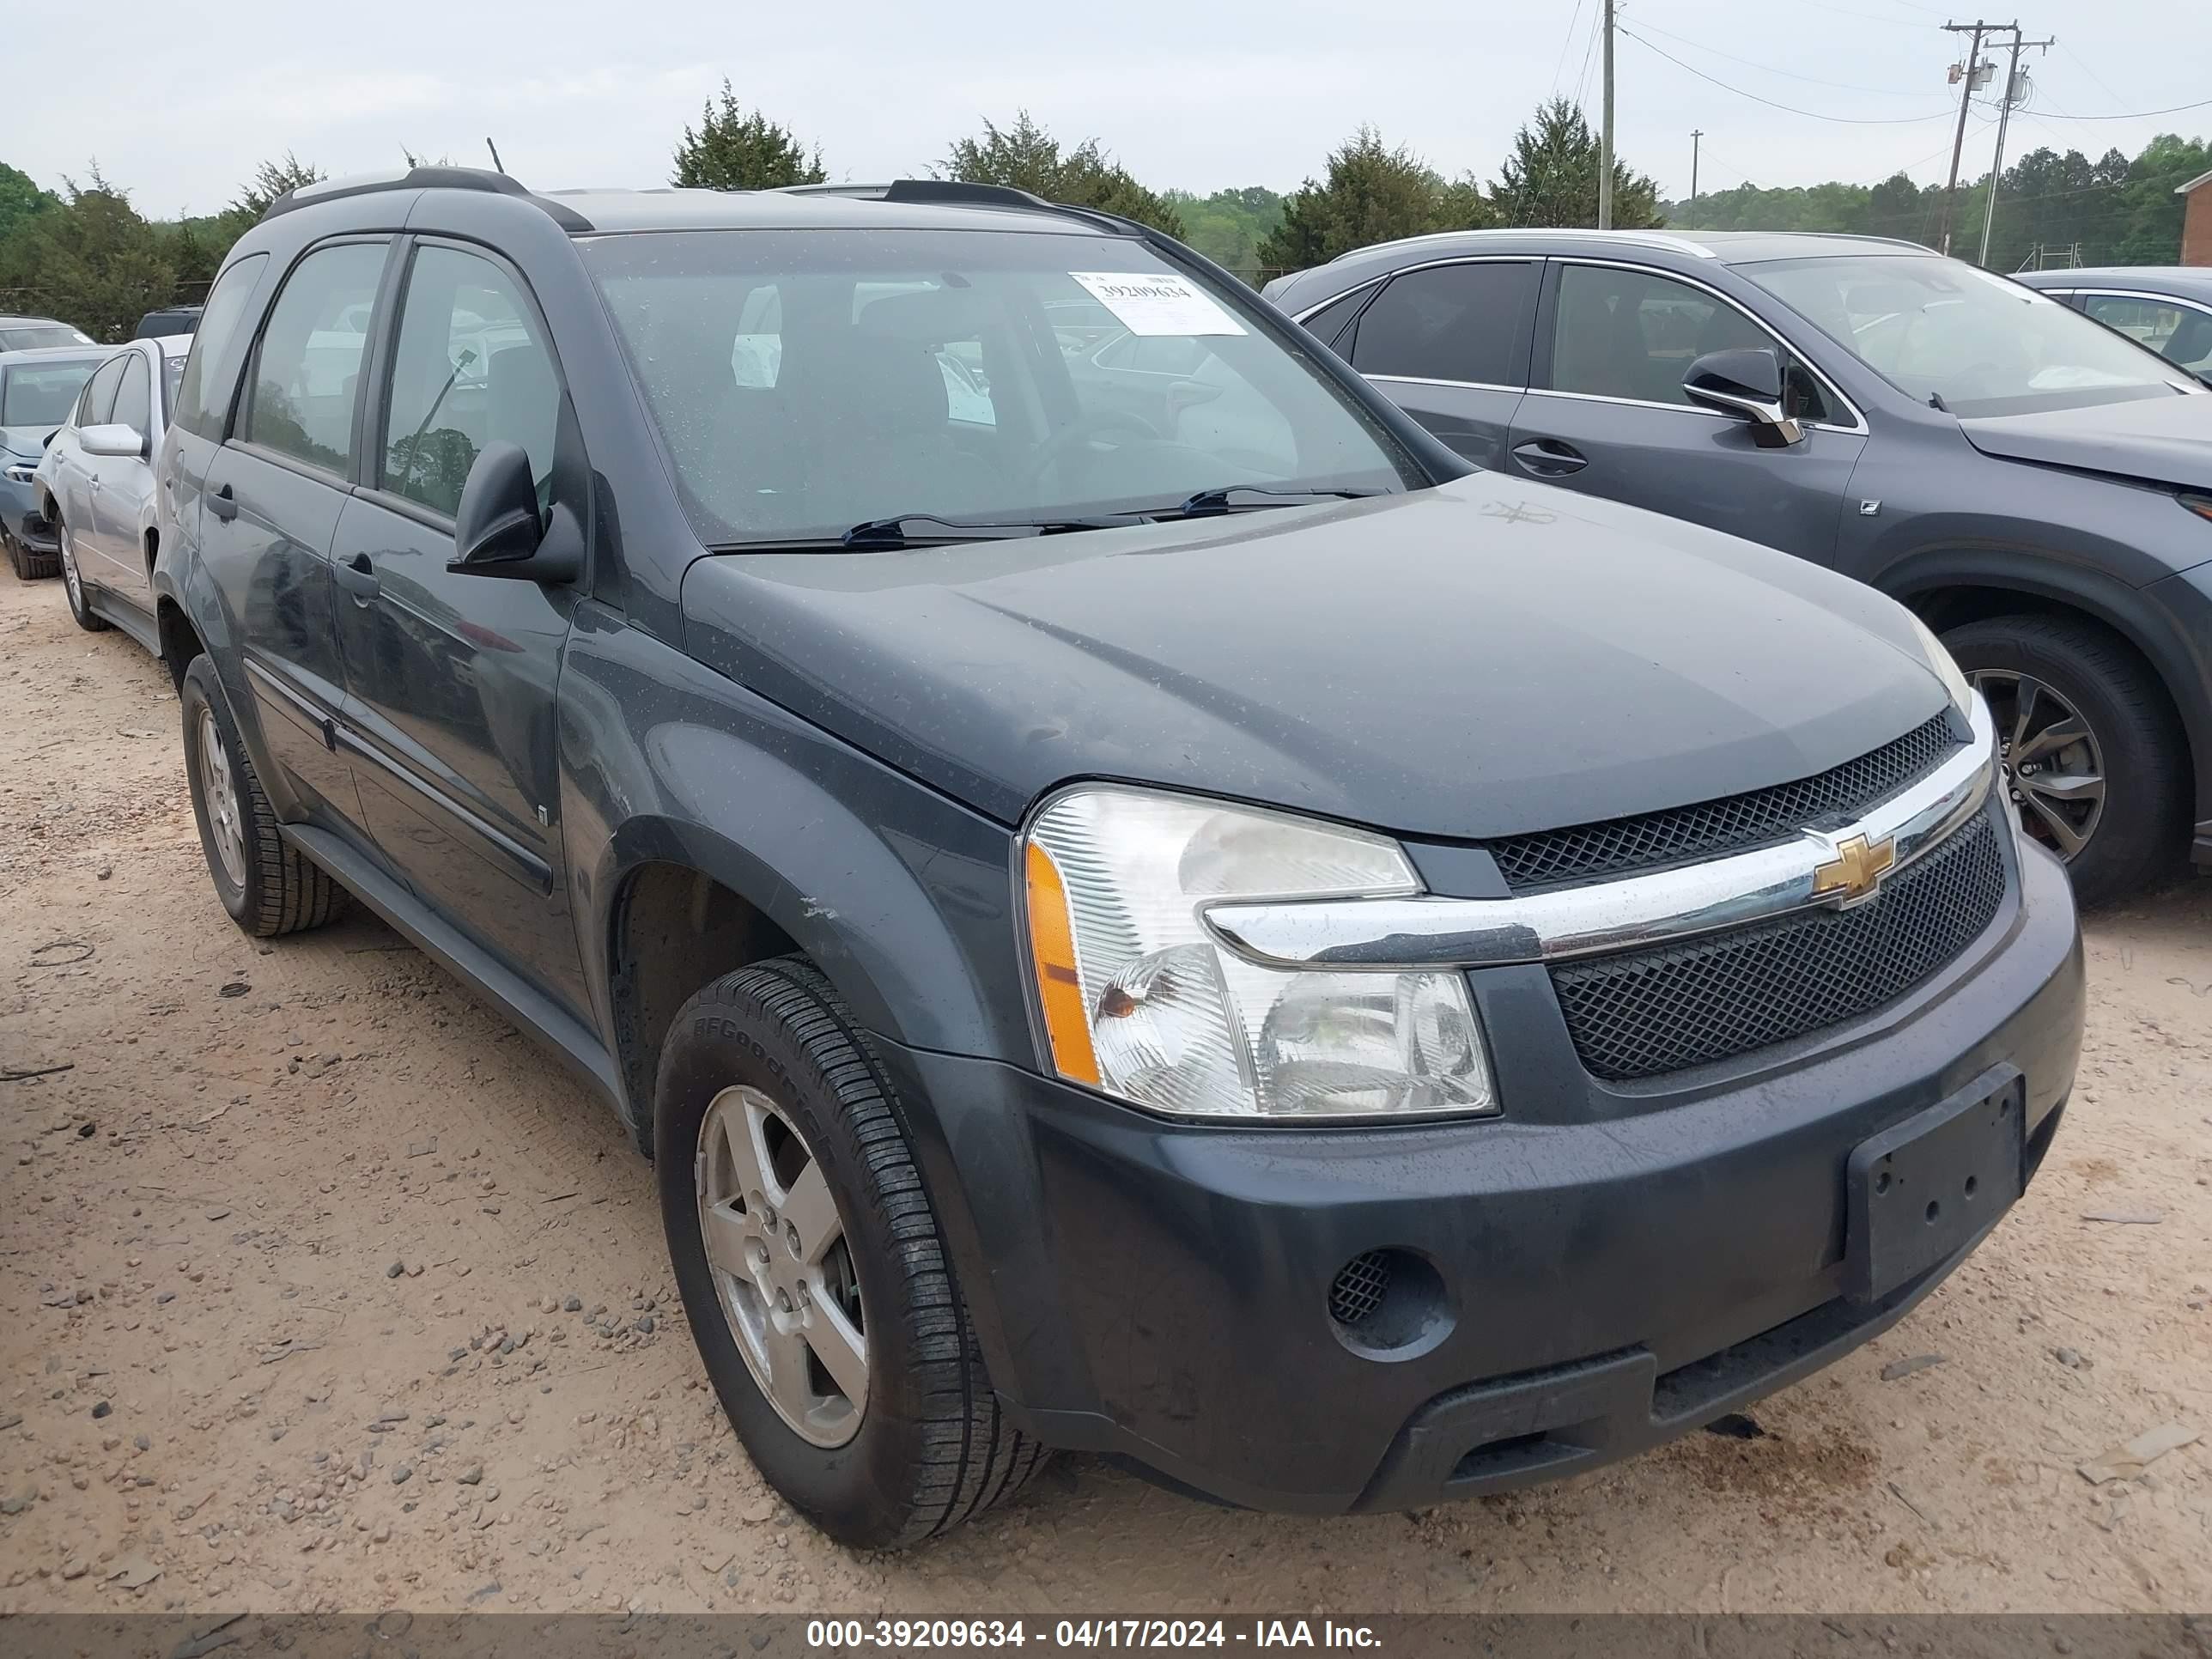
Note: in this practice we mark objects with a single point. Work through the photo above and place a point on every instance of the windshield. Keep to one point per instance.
(43, 334)
(1979, 344)
(42, 394)
(809, 381)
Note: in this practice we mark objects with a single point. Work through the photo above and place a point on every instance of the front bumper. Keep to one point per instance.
(22, 521)
(1618, 1263)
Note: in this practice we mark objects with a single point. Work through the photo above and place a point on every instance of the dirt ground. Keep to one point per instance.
(321, 1289)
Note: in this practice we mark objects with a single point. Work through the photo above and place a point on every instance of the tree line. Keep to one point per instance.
(85, 255)
(2053, 209)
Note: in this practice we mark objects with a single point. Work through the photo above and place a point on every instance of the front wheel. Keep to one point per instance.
(2093, 755)
(816, 1283)
(73, 585)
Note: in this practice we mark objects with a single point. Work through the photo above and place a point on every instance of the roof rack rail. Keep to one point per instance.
(423, 177)
(958, 193)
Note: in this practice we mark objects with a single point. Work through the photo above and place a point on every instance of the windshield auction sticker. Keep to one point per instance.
(1152, 302)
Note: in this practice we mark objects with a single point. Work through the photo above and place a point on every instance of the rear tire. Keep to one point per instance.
(2136, 746)
(73, 584)
(928, 1447)
(268, 887)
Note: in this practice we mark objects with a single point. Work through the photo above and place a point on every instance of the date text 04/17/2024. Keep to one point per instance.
(900, 1634)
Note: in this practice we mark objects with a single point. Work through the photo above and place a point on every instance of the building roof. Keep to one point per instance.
(2201, 178)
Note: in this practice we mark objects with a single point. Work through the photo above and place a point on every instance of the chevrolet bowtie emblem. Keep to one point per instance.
(1855, 872)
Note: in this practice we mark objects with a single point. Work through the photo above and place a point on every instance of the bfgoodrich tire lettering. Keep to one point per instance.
(2140, 760)
(932, 1447)
(267, 887)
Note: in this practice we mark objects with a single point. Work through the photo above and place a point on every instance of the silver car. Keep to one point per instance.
(95, 484)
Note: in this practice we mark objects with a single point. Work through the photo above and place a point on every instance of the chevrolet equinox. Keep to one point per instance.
(1135, 902)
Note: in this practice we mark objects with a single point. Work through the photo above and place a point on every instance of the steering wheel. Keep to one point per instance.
(1085, 427)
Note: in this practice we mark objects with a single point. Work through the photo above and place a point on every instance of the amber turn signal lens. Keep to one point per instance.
(2200, 505)
(1052, 952)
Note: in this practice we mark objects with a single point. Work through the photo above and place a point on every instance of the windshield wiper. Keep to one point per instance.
(926, 529)
(1222, 499)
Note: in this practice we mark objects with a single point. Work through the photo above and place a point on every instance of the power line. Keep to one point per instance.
(2091, 73)
(2134, 114)
(1791, 109)
(1871, 17)
(1769, 69)
(1566, 45)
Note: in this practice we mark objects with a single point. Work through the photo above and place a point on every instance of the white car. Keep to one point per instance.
(95, 484)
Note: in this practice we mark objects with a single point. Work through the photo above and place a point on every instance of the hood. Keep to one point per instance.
(1482, 658)
(2159, 439)
(27, 441)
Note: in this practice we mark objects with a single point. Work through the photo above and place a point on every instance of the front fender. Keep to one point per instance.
(901, 896)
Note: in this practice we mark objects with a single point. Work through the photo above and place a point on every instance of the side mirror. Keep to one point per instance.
(498, 531)
(1746, 381)
(113, 439)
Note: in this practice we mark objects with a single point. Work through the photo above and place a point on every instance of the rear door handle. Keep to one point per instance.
(1548, 457)
(358, 577)
(223, 504)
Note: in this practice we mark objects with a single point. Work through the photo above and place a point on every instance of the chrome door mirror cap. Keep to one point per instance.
(1746, 381)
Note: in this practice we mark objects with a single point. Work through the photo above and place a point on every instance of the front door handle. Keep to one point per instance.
(223, 504)
(358, 577)
(1548, 458)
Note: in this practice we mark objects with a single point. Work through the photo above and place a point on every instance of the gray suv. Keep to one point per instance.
(1164, 917)
(2039, 489)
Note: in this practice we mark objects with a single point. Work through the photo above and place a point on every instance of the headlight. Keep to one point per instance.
(1946, 666)
(21, 472)
(1141, 1001)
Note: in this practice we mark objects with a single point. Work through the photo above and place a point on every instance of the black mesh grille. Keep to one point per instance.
(1715, 828)
(1360, 1285)
(1650, 1011)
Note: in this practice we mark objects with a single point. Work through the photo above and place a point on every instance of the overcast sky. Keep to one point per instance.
(1196, 93)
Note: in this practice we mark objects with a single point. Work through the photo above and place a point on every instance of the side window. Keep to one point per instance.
(309, 362)
(1448, 323)
(1329, 322)
(472, 367)
(2175, 332)
(99, 403)
(134, 401)
(199, 405)
(1633, 334)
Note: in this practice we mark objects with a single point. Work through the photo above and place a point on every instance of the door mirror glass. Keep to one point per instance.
(113, 438)
(1745, 381)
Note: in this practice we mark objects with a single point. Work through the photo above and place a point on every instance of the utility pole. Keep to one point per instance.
(1977, 28)
(1605, 145)
(1696, 133)
(2013, 94)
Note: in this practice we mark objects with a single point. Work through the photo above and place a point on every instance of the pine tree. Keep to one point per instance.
(1025, 156)
(1371, 193)
(1551, 178)
(736, 149)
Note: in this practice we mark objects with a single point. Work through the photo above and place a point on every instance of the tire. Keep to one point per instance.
(267, 886)
(73, 584)
(929, 1447)
(2136, 744)
(30, 565)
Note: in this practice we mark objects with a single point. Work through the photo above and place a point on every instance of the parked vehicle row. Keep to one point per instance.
(39, 387)
(2036, 487)
(1136, 903)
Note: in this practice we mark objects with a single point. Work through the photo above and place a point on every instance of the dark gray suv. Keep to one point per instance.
(1161, 916)
(2037, 489)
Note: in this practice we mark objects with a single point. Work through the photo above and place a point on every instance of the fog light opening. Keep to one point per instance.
(1389, 1304)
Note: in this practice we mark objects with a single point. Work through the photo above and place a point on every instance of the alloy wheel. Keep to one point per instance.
(69, 571)
(2054, 766)
(782, 1266)
(225, 825)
